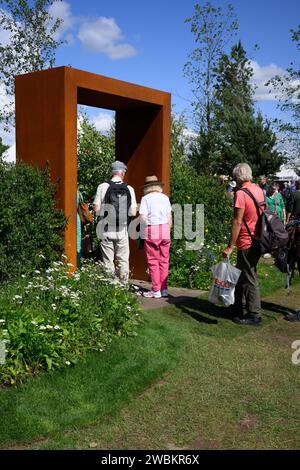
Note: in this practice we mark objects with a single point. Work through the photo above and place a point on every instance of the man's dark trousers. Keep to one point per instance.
(247, 294)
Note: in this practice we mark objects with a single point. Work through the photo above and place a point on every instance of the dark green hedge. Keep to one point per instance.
(31, 227)
(192, 269)
(187, 187)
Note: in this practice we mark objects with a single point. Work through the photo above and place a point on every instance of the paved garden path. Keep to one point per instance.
(176, 295)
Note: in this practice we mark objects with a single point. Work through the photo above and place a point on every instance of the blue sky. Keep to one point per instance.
(147, 42)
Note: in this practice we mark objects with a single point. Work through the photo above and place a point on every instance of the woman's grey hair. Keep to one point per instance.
(242, 172)
(154, 187)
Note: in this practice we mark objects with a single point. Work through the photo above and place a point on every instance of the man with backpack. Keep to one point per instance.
(115, 203)
(246, 216)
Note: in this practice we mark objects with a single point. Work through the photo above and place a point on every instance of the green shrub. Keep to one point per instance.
(192, 269)
(30, 225)
(52, 319)
(189, 188)
(95, 154)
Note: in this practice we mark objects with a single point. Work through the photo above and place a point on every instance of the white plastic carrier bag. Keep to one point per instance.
(225, 278)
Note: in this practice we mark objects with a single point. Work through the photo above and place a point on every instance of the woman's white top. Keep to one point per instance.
(156, 207)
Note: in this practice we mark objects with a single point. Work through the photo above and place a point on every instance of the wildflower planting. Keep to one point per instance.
(51, 319)
(193, 269)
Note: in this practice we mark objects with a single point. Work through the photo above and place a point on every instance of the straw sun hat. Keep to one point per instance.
(152, 184)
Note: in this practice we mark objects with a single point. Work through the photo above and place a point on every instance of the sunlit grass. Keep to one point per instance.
(191, 379)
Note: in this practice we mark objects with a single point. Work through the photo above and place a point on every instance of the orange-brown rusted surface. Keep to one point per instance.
(46, 131)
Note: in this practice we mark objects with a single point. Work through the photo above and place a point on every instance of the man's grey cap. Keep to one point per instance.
(118, 166)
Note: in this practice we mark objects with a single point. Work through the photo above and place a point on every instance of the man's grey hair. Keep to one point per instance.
(242, 172)
(118, 172)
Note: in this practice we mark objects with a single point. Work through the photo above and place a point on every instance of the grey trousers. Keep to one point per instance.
(115, 249)
(247, 294)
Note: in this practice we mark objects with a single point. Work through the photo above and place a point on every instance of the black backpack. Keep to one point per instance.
(118, 196)
(270, 234)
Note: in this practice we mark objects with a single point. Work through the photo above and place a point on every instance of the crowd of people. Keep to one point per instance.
(155, 219)
(284, 201)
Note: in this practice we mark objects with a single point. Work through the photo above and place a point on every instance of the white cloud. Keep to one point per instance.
(99, 35)
(261, 76)
(69, 38)
(103, 122)
(104, 36)
(62, 10)
(121, 51)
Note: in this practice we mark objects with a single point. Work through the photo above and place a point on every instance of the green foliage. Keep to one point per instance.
(204, 154)
(30, 225)
(178, 142)
(247, 138)
(3, 148)
(236, 134)
(212, 29)
(296, 36)
(51, 319)
(191, 268)
(189, 188)
(32, 41)
(233, 88)
(95, 153)
(288, 89)
(243, 137)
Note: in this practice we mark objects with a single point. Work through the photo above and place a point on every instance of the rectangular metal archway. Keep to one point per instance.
(46, 131)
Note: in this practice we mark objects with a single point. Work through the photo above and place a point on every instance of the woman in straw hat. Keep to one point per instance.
(156, 217)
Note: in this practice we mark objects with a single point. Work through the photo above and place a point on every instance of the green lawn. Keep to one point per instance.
(191, 380)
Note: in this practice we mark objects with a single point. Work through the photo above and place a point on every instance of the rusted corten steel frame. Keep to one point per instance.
(46, 131)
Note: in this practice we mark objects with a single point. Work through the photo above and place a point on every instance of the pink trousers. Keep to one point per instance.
(157, 249)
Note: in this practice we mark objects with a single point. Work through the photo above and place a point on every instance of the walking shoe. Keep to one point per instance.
(293, 316)
(255, 321)
(152, 294)
(164, 293)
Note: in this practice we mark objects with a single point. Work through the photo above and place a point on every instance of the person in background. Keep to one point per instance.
(281, 189)
(262, 183)
(247, 294)
(230, 188)
(293, 186)
(287, 196)
(294, 207)
(223, 179)
(114, 233)
(79, 198)
(275, 202)
(156, 219)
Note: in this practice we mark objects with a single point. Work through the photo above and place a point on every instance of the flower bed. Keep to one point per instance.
(193, 269)
(50, 320)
